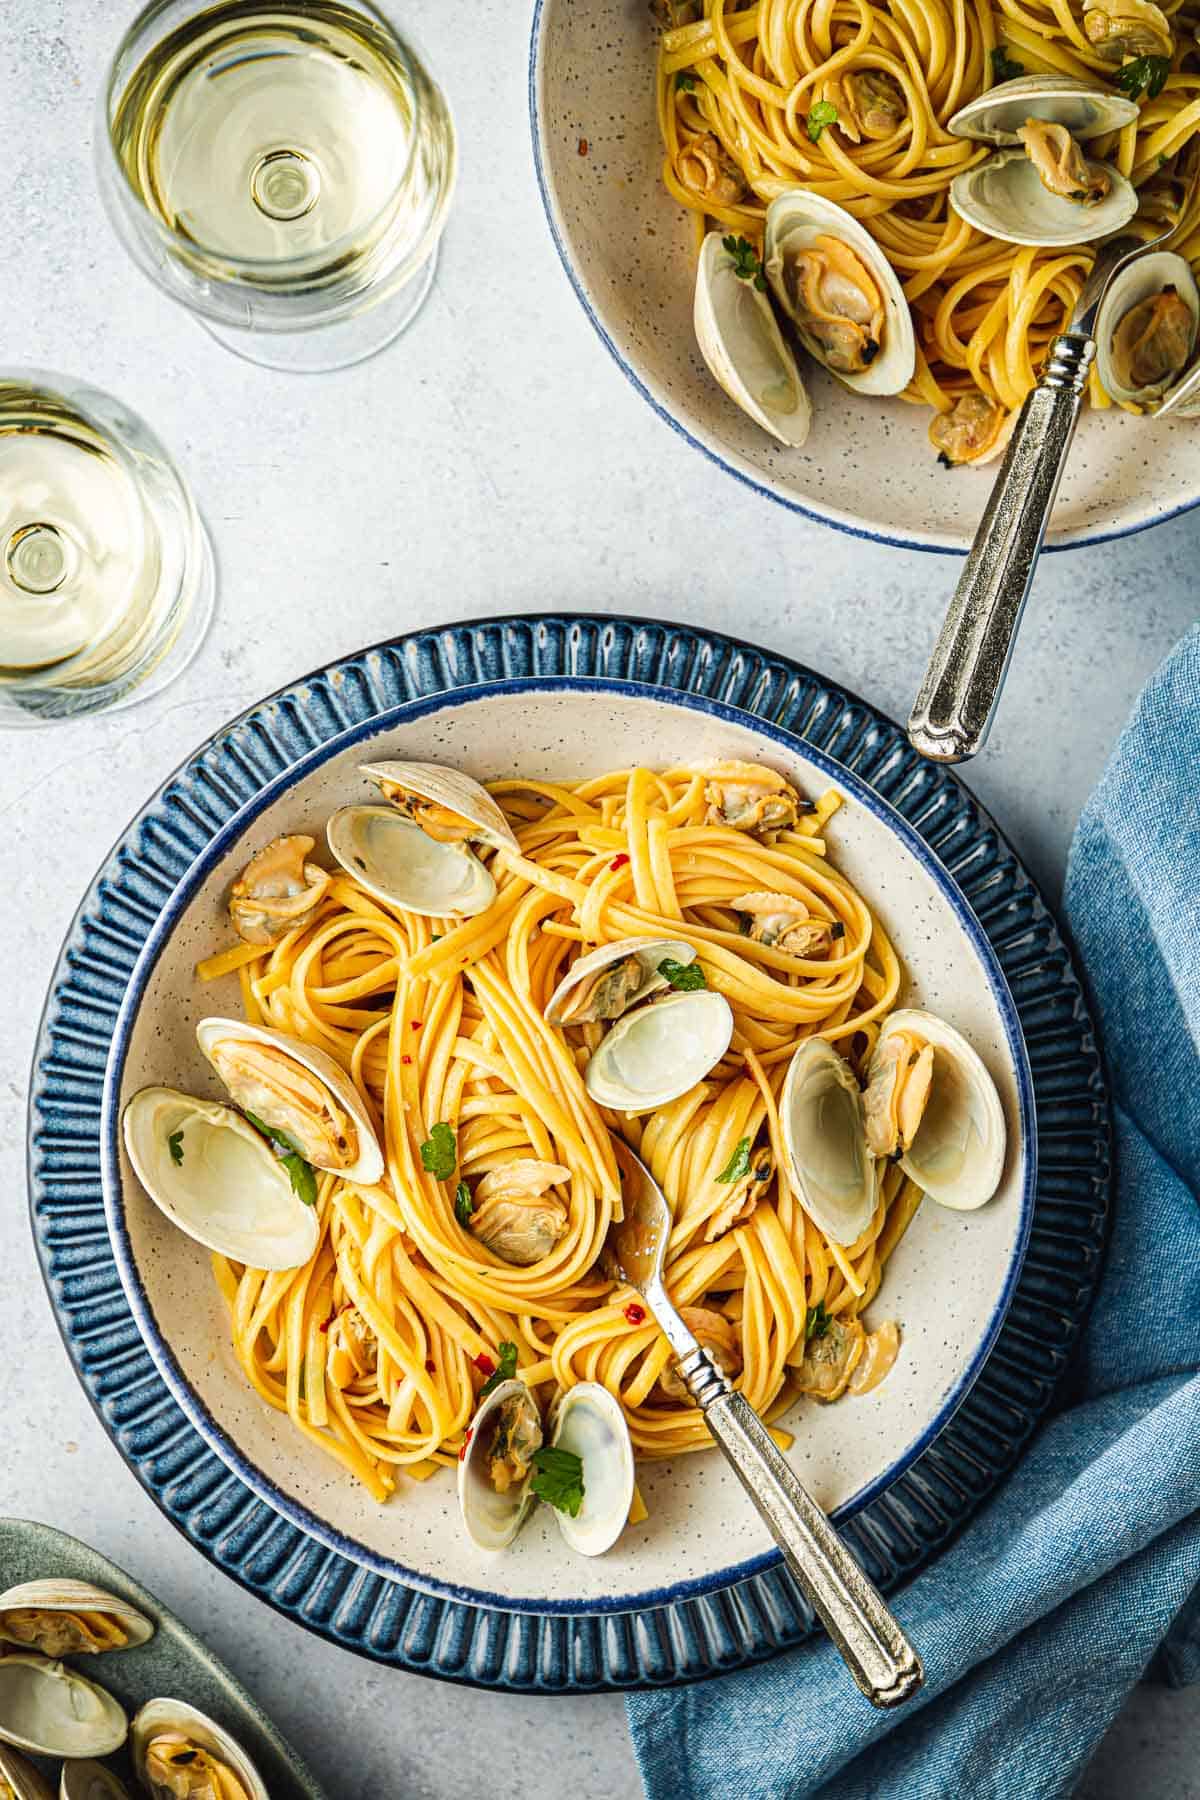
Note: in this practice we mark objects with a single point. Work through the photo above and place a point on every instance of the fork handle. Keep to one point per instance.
(958, 697)
(874, 1648)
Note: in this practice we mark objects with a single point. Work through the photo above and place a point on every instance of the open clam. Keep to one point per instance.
(445, 803)
(179, 1753)
(658, 1051)
(496, 1474)
(51, 1710)
(740, 340)
(218, 1179)
(1040, 188)
(19, 1780)
(69, 1618)
(830, 1167)
(297, 1089)
(1147, 328)
(90, 1781)
(931, 1102)
(606, 983)
(837, 287)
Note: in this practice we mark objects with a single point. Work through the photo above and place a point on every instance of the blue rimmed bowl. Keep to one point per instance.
(146, 1328)
(867, 467)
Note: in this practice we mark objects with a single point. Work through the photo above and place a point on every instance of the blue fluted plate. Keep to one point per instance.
(222, 1496)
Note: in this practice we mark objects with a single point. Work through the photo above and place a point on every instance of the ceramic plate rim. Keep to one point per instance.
(933, 542)
(235, 828)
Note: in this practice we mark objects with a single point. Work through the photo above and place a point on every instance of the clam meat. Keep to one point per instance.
(449, 806)
(1147, 328)
(743, 1195)
(974, 430)
(783, 923)
(496, 1464)
(515, 1214)
(180, 1754)
(69, 1618)
(705, 168)
(749, 797)
(278, 891)
(869, 103)
(830, 1357)
(1119, 29)
(603, 985)
(1061, 165)
(716, 1334)
(956, 1151)
(297, 1089)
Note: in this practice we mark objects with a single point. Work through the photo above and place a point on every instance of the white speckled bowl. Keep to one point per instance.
(948, 1285)
(867, 467)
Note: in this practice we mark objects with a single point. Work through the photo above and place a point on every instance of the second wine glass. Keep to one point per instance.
(282, 169)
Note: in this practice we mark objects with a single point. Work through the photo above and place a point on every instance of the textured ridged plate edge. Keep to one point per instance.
(322, 1589)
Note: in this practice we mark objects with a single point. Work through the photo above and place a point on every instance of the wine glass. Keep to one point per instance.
(106, 575)
(282, 167)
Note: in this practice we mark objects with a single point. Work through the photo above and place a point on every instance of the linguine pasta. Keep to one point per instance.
(377, 1347)
(761, 77)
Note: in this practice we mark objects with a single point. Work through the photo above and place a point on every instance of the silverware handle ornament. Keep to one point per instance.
(874, 1648)
(962, 684)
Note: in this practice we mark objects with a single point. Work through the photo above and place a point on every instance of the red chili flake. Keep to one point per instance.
(636, 1314)
(485, 1365)
(466, 1441)
(618, 862)
(416, 1024)
(583, 146)
(406, 1059)
(430, 1366)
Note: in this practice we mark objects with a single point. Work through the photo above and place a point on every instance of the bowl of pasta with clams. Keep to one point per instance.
(832, 244)
(364, 1095)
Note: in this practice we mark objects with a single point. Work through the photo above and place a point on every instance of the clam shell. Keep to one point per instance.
(231, 1194)
(398, 863)
(590, 1422)
(659, 1050)
(794, 219)
(1136, 282)
(62, 1595)
(996, 116)
(176, 1715)
(450, 788)
(831, 1169)
(368, 1168)
(21, 1776)
(649, 951)
(957, 1155)
(740, 340)
(90, 1781)
(1004, 198)
(492, 1520)
(51, 1710)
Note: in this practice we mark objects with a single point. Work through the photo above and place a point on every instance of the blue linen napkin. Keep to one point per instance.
(1043, 1614)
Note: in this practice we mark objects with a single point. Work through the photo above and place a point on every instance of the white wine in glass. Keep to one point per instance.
(284, 170)
(106, 577)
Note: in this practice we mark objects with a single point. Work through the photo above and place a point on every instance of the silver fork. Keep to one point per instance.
(959, 695)
(874, 1648)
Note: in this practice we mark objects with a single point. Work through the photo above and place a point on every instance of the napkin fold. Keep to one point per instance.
(1083, 1569)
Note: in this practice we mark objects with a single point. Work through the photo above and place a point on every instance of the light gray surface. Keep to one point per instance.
(494, 460)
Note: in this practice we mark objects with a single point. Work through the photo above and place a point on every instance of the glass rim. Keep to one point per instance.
(231, 267)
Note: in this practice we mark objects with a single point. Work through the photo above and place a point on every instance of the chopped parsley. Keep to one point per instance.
(439, 1152)
(1144, 75)
(738, 1164)
(687, 977)
(685, 83)
(464, 1206)
(505, 1369)
(746, 264)
(558, 1479)
(1003, 67)
(300, 1173)
(817, 1322)
(823, 114)
(175, 1146)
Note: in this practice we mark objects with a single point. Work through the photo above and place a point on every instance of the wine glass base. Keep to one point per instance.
(323, 349)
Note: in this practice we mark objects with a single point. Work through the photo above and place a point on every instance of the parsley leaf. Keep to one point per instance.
(685, 83)
(300, 1173)
(175, 1146)
(439, 1152)
(505, 1369)
(746, 265)
(816, 1322)
(687, 977)
(463, 1204)
(824, 113)
(1144, 75)
(558, 1479)
(738, 1164)
(1003, 68)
